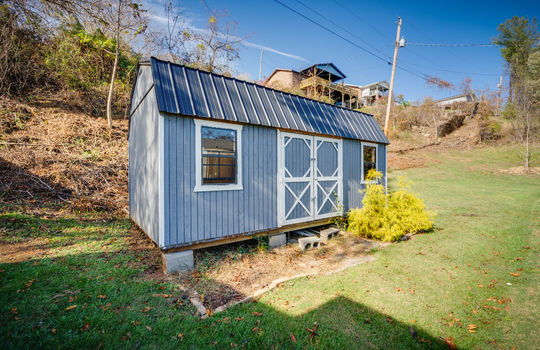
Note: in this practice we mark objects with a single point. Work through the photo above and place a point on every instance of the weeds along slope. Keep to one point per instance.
(53, 154)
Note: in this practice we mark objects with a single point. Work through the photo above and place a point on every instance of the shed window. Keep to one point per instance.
(218, 156)
(369, 159)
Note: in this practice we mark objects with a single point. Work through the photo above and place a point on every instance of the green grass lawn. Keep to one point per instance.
(474, 279)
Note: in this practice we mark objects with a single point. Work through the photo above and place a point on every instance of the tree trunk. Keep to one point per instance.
(436, 127)
(510, 87)
(527, 150)
(115, 67)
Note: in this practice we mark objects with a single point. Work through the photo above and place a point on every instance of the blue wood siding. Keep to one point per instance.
(143, 164)
(192, 217)
(352, 172)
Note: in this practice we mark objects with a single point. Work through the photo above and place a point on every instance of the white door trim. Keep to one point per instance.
(337, 176)
(310, 176)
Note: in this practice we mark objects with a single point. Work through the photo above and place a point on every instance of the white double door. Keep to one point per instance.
(310, 178)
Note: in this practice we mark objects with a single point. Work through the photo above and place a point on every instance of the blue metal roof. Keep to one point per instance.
(192, 92)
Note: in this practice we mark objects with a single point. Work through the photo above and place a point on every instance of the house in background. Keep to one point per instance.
(315, 81)
(372, 92)
(448, 101)
(214, 160)
(325, 79)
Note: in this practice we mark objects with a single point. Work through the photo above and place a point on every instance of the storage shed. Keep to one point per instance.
(214, 159)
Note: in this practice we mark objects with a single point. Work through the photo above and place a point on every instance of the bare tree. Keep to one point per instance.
(216, 47)
(169, 41)
(524, 115)
(519, 38)
(125, 19)
(213, 48)
(466, 86)
(437, 112)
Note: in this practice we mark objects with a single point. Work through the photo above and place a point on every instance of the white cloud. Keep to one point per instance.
(277, 52)
(254, 45)
(161, 20)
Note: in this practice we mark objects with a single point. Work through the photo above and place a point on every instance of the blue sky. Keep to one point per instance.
(371, 25)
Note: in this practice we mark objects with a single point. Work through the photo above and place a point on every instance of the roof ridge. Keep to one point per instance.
(179, 87)
(252, 83)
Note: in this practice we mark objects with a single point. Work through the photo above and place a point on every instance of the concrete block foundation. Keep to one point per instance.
(178, 261)
(276, 241)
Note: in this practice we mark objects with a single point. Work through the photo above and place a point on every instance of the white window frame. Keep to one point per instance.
(199, 186)
(376, 146)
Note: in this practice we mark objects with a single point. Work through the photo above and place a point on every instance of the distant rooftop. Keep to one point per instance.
(326, 71)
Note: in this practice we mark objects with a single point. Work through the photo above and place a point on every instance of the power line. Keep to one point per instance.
(340, 26)
(425, 35)
(453, 71)
(421, 75)
(361, 19)
(390, 11)
(332, 32)
(450, 45)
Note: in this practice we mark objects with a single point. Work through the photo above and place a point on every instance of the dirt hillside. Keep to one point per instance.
(53, 155)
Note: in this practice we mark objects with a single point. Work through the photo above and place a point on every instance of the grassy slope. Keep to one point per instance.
(485, 231)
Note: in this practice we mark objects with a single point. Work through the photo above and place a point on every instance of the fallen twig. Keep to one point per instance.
(30, 144)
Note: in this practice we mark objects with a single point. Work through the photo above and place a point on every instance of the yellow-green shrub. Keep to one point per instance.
(389, 216)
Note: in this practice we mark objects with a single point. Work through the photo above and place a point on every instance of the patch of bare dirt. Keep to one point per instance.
(232, 277)
(413, 153)
(520, 170)
(24, 251)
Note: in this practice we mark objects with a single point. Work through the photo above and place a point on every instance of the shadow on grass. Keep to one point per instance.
(118, 307)
(16, 227)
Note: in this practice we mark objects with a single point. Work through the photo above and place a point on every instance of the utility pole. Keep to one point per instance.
(499, 97)
(260, 67)
(397, 44)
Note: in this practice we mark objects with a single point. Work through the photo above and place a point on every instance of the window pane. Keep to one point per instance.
(370, 160)
(218, 155)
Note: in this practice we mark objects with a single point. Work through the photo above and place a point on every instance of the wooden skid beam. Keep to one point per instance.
(239, 238)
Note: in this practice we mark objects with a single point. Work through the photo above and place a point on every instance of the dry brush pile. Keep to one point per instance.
(54, 156)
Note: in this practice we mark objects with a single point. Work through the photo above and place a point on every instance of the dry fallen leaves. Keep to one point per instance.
(255, 313)
(472, 328)
(102, 296)
(146, 309)
(515, 274)
(313, 331)
(450, 342)
(165, 295)
(71, 307)
(293, 338)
